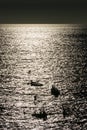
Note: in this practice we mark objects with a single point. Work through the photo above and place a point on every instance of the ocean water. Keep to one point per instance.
(50, 54)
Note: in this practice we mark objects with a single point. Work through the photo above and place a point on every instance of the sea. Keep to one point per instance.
(50, 54)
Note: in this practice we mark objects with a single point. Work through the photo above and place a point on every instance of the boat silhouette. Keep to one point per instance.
(55, 91)
(41, 115)
(35, 83)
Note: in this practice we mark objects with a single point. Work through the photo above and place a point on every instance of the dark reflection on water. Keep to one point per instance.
(49, 54)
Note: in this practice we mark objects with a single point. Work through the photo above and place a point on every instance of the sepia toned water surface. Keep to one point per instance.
(50, 54)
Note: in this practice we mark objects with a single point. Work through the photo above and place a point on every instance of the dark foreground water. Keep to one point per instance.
(50, 54)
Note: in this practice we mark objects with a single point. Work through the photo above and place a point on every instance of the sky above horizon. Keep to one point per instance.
(43, 11)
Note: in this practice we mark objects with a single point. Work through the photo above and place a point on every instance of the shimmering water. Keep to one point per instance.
(50, 54)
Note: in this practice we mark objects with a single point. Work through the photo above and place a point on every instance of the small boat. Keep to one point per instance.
(35, 99)
(29, 71)
(33, 83)
(55, 91)
(40, 115)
